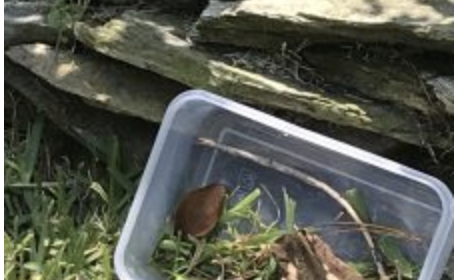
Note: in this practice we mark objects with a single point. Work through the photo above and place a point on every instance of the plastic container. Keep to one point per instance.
(397, 196)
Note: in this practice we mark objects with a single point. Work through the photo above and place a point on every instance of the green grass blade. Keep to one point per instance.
(263, 238)
(242, 208)
(114, 153)
(358, 202)
(97, 188)
(12, 164)
(120, 179)
(33, 266)
(390, 249)
(290, 210)
(106, 263)
(30, 156)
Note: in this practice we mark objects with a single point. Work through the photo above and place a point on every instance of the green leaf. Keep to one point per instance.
(8, 244)
(169, 245)
(114, 153)
(242, 208)
(106, 263)
(33, 266)
(120, 179)
(12, 165)
(364, 268)
(290, 209)
(96, 187)
(94, 254)
(269, 271)
(390, 248)
(263, 238)
(358, 202)
(30, 156)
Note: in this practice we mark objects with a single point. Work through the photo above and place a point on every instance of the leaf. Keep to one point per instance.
(263, 238)
(168, 245)
(9, 257)
(269, 270)
(114, 153)
(364, 268)
(8, 245)
(358, 202)
(96, 187)
(106, 262)
(119, 178)
(290, 209)
(12, 165)
(94, 254)
(390, 248)
(30, 156)
(33, 266)
(54, 18)
(242, 208)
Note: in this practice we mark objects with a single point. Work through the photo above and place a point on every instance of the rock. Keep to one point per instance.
(92, 127)
(270, 23)
(155, 43)
(102, 81)
(148, 94)
(443, 89)
(373, 78)
(25, 23)
(59, 98)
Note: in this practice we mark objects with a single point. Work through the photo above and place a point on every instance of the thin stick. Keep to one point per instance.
(371, 230)
(387, 230)
(309, 180)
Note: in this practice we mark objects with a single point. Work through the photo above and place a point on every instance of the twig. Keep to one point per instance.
(309, 180)
(372, 227)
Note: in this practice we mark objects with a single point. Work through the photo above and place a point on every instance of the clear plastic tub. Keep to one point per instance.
(397, 196)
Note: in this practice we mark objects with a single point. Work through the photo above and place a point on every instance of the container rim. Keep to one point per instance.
(446, 222)
(318, 139)
(446, 198)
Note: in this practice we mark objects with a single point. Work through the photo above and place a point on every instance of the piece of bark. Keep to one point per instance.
(305, 256)
(270, 23)
(153, 43)
(297, 260)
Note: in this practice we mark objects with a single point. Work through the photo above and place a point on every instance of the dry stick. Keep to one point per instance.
(386, 230)
(312, 181)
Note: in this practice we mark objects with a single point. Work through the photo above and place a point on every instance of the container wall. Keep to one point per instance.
(396, 198)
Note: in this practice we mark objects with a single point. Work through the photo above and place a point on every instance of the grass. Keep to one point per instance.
(63, 215)
(62, 218)
(245, 254)
(242, 246)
